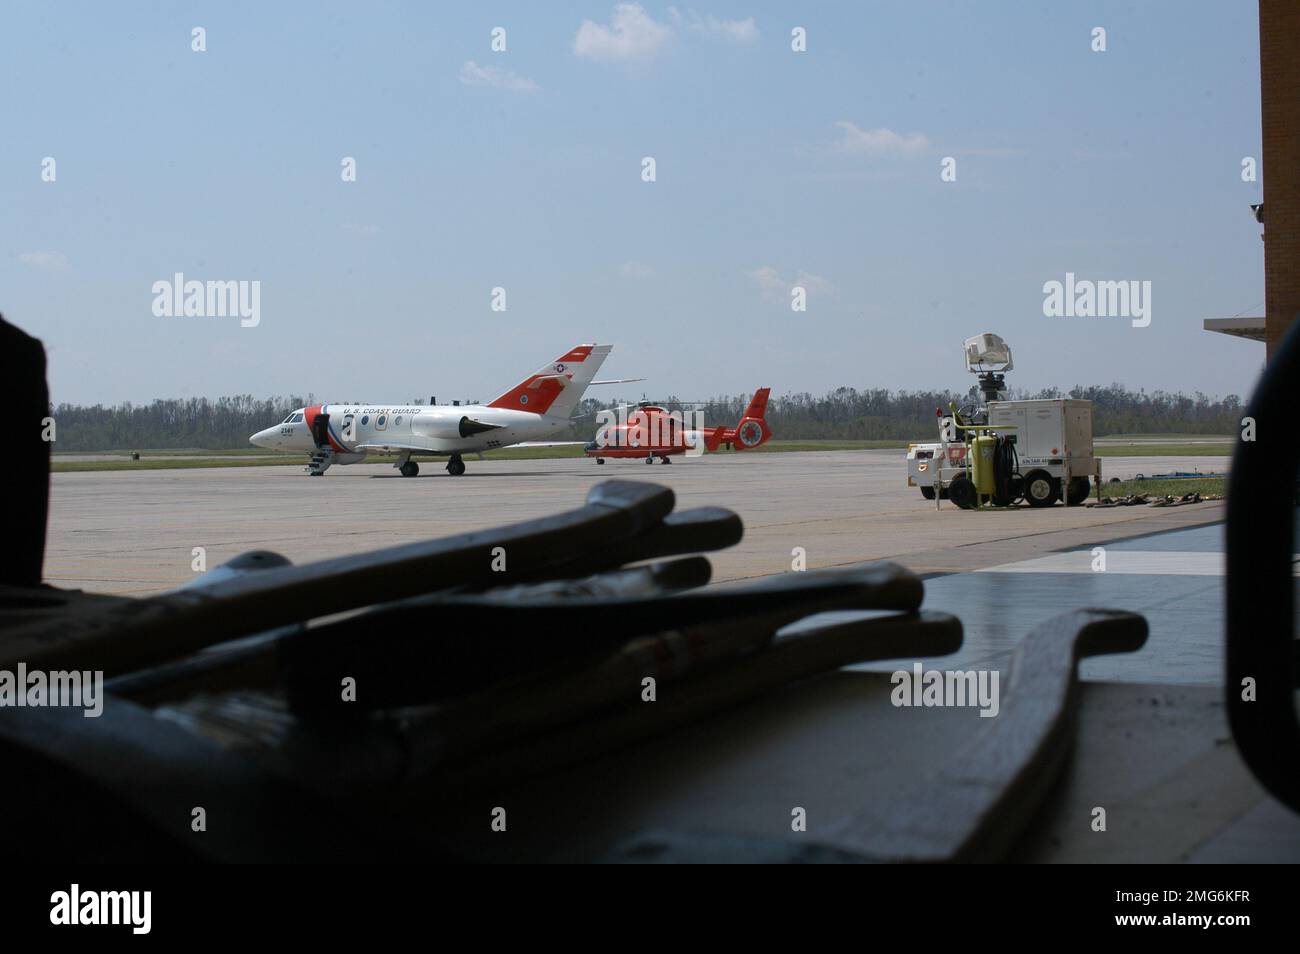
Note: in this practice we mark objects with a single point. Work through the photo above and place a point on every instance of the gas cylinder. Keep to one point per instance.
(983, 447)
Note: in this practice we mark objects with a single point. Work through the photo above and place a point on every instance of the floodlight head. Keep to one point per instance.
(987, 353)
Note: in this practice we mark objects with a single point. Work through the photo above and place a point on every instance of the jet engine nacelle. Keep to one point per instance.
(452, 426)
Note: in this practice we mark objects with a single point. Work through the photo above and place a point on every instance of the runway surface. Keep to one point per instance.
(134, 532)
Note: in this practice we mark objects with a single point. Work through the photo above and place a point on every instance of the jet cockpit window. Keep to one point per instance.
(295, 419)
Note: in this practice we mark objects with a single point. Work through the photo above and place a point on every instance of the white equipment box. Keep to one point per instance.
(1054, 445)
(1047, 432)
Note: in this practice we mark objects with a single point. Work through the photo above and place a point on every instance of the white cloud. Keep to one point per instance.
(769, 282)
(471, 74)
(636, 270)
(54, 261)
(775, 288)
(878, 142)
(736, 31)
(995, 153)
(632, 36)
(814, 283)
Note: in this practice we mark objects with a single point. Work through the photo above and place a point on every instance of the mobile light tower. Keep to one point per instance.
(989, 357)
(1039, 450)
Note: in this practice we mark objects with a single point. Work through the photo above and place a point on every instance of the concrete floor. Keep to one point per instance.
(133, 532)
(1174, 578)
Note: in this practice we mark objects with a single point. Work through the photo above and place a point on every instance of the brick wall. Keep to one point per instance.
(1279, 67)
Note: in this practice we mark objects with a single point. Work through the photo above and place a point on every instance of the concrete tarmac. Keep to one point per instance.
(135, 532)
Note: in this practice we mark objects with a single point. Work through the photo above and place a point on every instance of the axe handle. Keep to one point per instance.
(973, 807)
(439, 648)
(790, 658)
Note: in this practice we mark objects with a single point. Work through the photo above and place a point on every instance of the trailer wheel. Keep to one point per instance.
(962, 492)
(1077, 492)
(1041, 489)
(927, 493)
(1015, 490)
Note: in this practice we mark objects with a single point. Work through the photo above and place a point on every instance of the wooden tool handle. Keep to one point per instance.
(973, 807)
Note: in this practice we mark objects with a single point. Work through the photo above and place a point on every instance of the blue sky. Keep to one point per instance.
(522, 169)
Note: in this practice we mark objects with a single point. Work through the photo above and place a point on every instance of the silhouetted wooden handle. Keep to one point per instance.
(972, 808)
(969, 809)
(435, 647)
(793, 657)
(253, 663)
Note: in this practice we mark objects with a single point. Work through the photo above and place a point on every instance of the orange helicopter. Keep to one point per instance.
(651, 431)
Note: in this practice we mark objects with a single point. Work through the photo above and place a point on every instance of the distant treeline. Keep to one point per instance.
(222, 424)
(843, 414)
(879, 414)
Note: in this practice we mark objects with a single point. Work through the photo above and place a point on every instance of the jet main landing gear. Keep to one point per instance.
(410, 469)
(455, 466)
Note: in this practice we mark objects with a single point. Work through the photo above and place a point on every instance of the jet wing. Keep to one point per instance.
(400, 446)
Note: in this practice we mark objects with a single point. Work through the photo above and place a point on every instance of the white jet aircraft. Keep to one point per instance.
(345, 433)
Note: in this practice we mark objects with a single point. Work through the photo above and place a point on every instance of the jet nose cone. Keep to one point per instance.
(260, 439)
